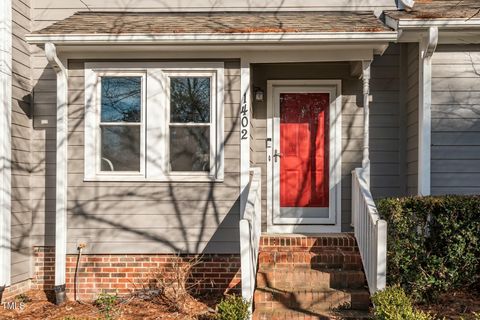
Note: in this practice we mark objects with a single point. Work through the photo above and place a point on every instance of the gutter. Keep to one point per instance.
(5, 143)
(212, 38)
(454, 23)
(61, 173)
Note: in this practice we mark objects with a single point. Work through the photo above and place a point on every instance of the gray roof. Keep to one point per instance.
(215, 22)
(439, 9)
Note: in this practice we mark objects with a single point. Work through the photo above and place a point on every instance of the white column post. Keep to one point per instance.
(366, 120)
(427, 47)
(5, 142)
(244, 118)
(61, 181)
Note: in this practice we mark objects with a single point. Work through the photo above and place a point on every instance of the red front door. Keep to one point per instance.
(304, 127)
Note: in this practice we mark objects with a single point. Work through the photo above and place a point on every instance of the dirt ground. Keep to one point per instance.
(456, 305)
(39, 305)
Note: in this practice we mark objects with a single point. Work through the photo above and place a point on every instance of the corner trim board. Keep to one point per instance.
(61, 169)
(5, 141)
(244, 119)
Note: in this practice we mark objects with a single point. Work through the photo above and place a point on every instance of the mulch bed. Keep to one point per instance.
(39, 305)
(456, 305)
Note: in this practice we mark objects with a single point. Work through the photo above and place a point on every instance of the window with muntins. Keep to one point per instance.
(153, 123)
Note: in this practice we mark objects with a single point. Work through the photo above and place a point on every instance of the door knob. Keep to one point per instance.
(277, 155)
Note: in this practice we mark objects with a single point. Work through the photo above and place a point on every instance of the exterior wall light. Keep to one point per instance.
(258, 94)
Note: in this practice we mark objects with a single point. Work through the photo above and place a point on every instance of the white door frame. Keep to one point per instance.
(333, 223)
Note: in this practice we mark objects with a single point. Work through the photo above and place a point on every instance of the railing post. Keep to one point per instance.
(250, 233)
(245, 259)
(381, 254)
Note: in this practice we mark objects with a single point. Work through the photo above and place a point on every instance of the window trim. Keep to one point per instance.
(155, 90)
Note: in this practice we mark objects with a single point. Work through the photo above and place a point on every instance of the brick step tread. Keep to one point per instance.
(261, 314)
(306, 277)
(320, 299)
(317, 250)
(320, 266)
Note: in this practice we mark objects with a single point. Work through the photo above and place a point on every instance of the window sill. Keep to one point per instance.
(147, 180)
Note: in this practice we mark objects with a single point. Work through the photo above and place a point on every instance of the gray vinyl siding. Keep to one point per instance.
(384, 123)
(412, 118)
(21, 132)
(139, 217)
(43, 150)
(455, 158)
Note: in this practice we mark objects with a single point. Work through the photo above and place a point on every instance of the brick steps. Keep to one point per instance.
(319, 299)
(304, 277)
(310, 277)
(311, 315)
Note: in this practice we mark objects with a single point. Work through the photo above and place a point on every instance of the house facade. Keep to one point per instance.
(130, 131)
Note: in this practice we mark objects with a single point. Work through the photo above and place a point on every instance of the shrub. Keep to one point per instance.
(393, 304)
(433, 243)
(233, 308)
(106, 303)
(175, 285)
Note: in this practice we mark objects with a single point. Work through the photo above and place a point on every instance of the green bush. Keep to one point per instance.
(393, 304)
(107, 304)
(233, 308)
(433, 243)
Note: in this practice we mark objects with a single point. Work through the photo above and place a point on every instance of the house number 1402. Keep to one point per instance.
(244, 118)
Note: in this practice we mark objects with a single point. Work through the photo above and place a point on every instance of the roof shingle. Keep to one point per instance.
(217, 22)
(439, 9)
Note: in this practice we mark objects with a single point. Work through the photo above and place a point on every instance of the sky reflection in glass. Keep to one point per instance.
(121, 99)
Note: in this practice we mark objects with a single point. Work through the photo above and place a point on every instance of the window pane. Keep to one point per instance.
(190, 99)
(190, 148)
(120, 148)
(121, 99)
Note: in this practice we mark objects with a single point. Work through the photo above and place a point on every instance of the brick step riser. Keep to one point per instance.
(310, 300)
(344, 242)
(269, 258)
(287, 316)
(310, 280)
(268, 315)
(313, 264)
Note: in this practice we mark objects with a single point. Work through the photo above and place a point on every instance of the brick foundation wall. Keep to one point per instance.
(14, 290)
(123, 274)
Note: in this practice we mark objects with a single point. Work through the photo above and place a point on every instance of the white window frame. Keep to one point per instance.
(179, 175)
(99, 124)
(155, 120)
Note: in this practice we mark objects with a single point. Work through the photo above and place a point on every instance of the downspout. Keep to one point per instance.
(366, 120)
(428, 45)
(61, 172)
(5, 143)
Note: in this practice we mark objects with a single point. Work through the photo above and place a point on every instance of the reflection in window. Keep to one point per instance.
(190, 99)
(120, 148)
(190, 148)
(120, 123)
(121, 99)
(190, 105)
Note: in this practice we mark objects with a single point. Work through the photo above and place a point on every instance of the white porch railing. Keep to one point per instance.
(370, 232)
(250, 232)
